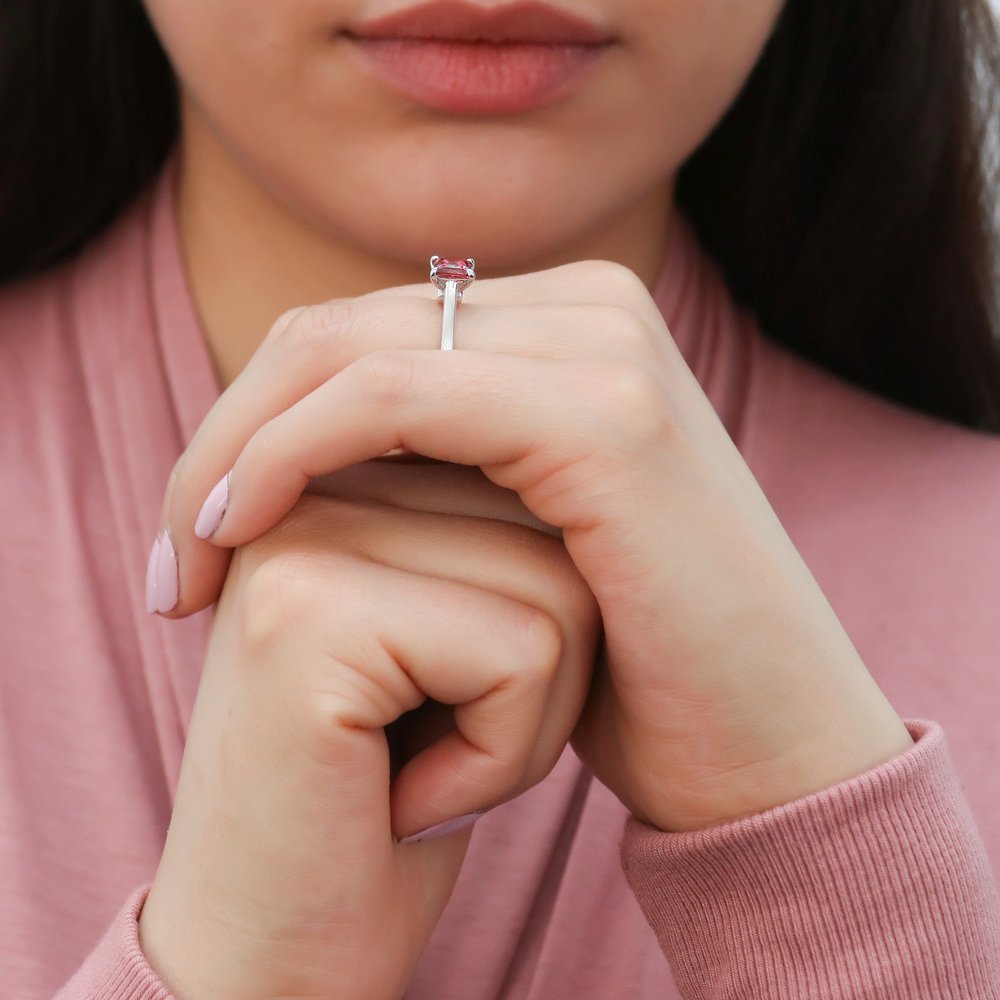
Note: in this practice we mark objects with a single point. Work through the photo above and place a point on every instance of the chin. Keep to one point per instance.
(499, 237)
(502, 233)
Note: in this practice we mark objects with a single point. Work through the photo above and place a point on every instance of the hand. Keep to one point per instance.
(280, 874)
(728, 685)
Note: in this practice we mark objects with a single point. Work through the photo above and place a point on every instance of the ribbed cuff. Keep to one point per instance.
(878, 887)
(117, 969)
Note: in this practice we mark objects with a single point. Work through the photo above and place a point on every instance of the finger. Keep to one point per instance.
(520, 420)
(307, 348)
(598, 282)
(432, 486)
(281, 371)
(510, 559)
(492, 658)
(506, 559)
(502, 696)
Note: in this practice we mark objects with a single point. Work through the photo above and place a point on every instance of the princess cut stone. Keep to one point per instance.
(445, 269)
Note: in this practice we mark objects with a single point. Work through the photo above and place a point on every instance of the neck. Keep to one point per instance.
(249, 258)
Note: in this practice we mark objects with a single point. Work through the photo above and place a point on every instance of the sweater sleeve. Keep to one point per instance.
(117, 969)
(877, 888)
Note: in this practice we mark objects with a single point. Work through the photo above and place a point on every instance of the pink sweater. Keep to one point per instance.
(879, 887)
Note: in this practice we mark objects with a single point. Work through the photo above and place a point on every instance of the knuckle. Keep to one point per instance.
(279, 325)
(541, 642)
(318, 719)
(314, 329)
(386, 377)
(264, 449)
(624, 327)
(340, 696)
(614, 279)
(504, 771)
(275, 596)
(631, 401)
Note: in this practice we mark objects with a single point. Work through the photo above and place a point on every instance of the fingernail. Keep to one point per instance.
(443, 829)
(151, 575)
(213, 509)
(166, 573)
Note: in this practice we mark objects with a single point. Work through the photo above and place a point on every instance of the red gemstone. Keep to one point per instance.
(446, 268)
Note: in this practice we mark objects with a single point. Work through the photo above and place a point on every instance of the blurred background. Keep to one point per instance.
(996, 160)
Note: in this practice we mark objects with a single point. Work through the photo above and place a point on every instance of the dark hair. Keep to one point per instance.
(849, 196)
(88, 112)
(846, 193)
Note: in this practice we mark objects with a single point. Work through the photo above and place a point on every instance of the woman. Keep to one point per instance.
(583, 616)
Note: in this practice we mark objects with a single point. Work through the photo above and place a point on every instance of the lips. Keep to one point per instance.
(528, 22)
(455, 57)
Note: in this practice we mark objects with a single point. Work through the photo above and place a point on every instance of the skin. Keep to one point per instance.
(264, 231)
(724, 683)
(279, 877)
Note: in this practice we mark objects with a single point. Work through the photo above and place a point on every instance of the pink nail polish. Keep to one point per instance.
(213, 509)
(443, 829)
(166, 574)
(151, 569)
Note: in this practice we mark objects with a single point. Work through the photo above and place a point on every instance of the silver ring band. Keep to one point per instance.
(451, 277)
(451, 299)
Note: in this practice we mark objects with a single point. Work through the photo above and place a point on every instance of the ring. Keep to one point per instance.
(451, 277)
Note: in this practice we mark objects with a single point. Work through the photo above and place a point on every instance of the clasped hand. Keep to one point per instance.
(579, 479)
(725, 683)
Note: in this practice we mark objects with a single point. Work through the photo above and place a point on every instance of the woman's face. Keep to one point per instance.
(281, 89)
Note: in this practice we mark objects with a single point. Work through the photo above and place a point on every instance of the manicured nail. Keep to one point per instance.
(151, 575)
(166, 574)
(443, 829)
(213, 509)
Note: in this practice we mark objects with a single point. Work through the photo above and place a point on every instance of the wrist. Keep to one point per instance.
(840, 748)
